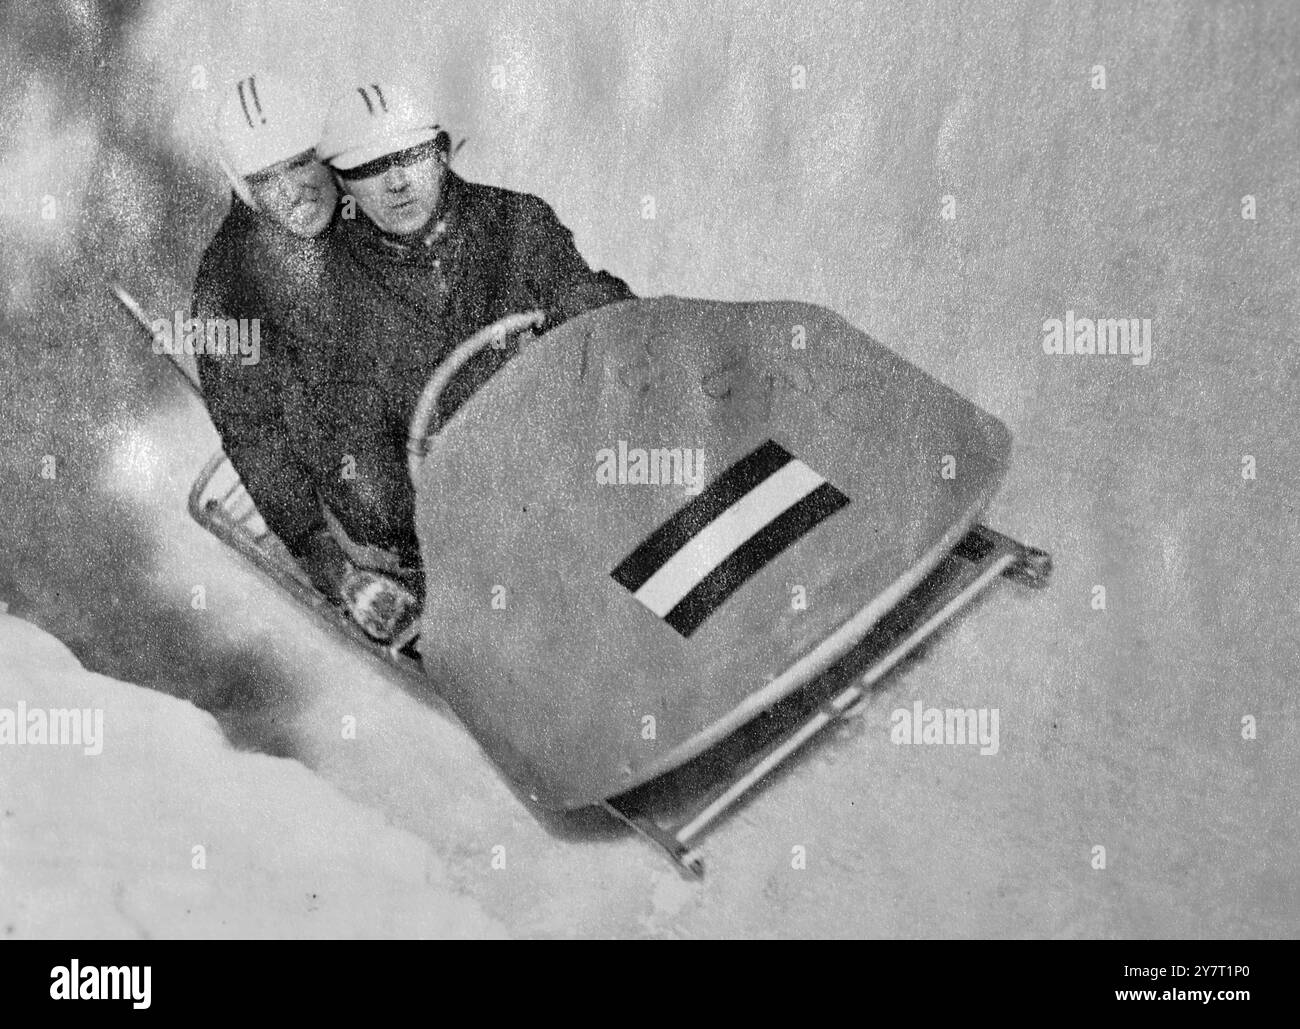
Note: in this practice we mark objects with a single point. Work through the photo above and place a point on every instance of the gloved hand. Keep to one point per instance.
(326, 565)
(380, 605)
(410, 575)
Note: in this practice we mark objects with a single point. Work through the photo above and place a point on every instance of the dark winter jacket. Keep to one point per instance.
(397, 310)
(253, 269)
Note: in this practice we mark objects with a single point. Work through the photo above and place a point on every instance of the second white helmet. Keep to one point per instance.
(267, 120)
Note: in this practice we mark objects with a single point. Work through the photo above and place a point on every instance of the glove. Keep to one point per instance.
(326, 565)
(410, 575)
(380, 605)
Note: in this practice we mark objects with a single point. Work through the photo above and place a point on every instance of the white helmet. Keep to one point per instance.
(266, 121)
(372, 120)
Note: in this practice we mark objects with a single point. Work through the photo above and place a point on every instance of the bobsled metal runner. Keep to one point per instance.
(666, 544)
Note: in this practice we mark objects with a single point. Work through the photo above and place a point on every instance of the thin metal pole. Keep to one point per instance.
(138, 312)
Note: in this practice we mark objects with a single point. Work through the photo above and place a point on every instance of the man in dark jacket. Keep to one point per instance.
(429, 260)
(255, 270)
(266, 264)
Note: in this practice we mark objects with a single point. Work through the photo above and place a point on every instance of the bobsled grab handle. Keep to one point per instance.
(418, 436)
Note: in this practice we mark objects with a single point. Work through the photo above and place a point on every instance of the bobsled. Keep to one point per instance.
(666, 519)
(670, 541)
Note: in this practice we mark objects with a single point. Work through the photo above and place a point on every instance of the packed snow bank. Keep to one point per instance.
(145, 822)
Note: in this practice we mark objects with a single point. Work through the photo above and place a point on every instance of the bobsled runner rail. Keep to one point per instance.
(676, 815)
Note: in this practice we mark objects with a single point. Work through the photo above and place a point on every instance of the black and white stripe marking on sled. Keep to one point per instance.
(756, 509)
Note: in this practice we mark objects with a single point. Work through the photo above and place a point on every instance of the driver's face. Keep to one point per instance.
(298, 194)
(403, 197)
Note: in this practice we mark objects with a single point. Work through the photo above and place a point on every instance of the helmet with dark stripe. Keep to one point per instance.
(371, 120)
(265, 120)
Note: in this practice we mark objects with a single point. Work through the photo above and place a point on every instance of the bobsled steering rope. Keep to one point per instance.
(418, 436)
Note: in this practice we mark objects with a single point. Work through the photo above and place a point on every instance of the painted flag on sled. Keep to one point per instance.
(758, 507)
(594, 631)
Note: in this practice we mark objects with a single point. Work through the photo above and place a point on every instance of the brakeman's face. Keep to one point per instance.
(298, 194)
(403, 197)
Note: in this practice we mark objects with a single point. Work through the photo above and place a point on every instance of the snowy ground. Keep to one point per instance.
(1120, 728)
(215, 842)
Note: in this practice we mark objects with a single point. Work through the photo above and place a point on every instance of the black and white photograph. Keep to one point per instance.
(650, 470)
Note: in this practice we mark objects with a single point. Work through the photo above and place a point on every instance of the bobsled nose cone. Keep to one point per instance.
(642, 609)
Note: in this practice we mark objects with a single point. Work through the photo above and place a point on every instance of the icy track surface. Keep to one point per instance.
(167, 830)
(1120, 727)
